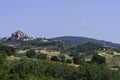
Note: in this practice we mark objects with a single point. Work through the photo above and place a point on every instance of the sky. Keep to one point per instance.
(98, 19)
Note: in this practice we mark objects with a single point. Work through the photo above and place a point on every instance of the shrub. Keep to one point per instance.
(69, 61)
(31, 53)
(98, 59)
(55, 58)
(42, 56)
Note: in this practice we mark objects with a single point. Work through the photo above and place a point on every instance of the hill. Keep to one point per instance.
(27, 58)
(81, 40)
(16, 36)
(21, 36)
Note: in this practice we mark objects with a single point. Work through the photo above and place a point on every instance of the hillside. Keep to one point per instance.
(21, 36)
(68, 58)
(81, 40)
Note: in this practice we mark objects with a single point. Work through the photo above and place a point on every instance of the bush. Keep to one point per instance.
(42, 56)
(7, 49)
(62, 58)
(55, 58)
(4, 68)
(69, 61)
(31, 53)
(76, 59)
(98, 59)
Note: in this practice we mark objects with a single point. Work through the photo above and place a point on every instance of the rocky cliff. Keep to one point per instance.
(19, 35)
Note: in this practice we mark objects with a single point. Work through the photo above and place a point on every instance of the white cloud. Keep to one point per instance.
(86, 24)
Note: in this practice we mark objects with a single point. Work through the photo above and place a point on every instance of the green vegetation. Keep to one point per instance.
(7, 49)
(4, 68)
(37, 65)
(98, 59)
(69, 61)
(90, 46)
(31, 53)
(77, 59)
(55, 58)
(26, 69)
(62, 58)
(42, 56)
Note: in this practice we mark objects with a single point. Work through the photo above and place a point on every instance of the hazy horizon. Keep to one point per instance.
(55, 18)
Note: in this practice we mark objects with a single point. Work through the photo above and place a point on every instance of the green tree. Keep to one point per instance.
(69, 61)
(55, 58)
(7, 49)
(89, 46)
(31, 53)
(4, 68)
(42, 56)
(62, 58)
(98, 59)
(76, 59)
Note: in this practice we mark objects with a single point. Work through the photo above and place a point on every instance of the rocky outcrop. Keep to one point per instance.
(19, 35)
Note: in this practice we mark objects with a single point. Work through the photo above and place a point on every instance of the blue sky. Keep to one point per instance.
(99, 19)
